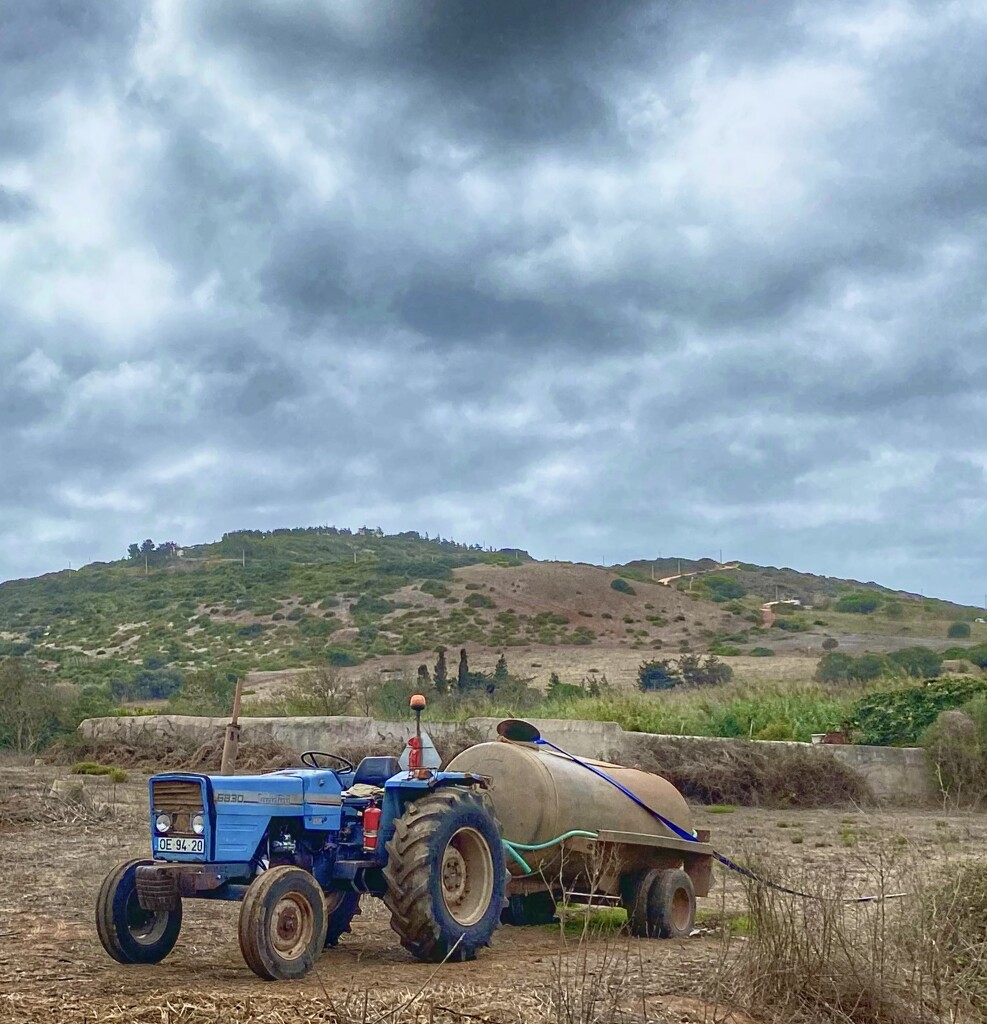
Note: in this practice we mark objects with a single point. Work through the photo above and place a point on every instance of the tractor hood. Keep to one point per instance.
(238, 808)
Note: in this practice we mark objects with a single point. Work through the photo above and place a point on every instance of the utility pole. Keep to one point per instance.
(145, 564)
(721, 556)
(243, 557)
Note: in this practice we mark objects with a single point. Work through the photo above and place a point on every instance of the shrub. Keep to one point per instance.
(860, 603)
(622, 586)
(762, 652)
(840, 668)
(958, 631)
(475, 600)
(115, 775)
(791, 624)
(830, 644)
(723, 588)
(367, 604)
(657, 675)
(899, 717)
(834, 668)
(341, 657)
(956, 747)
(921, 662)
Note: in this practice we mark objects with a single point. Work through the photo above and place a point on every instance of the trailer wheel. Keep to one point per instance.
(282, 926)
(341, 908)
(672, 905)
(635, 895)
(446, 876)
(130, 934)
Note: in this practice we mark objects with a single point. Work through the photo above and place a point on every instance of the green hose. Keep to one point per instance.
(512, 848)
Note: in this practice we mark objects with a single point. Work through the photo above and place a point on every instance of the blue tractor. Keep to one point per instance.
(299, 847)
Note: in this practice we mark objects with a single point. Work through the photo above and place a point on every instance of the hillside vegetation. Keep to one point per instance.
(178, 625)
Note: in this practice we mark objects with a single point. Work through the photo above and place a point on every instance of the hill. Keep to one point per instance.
(282, 600)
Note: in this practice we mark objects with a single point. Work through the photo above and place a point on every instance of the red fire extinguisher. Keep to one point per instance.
(371, 826)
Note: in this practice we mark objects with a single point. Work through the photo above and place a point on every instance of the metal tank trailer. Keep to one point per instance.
(574, 831)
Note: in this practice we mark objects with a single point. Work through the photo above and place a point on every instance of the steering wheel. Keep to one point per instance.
(309, 760)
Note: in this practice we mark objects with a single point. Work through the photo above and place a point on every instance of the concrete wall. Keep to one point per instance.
(896, 775)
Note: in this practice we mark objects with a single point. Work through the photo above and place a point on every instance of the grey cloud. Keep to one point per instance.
(15, 205)
(621, 276)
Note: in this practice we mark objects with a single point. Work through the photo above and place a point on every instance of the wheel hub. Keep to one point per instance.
(292, 925)
(466, 875)
(453, 875)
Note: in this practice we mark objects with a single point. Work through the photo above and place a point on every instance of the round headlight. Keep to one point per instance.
(162, 822)
(198, 824)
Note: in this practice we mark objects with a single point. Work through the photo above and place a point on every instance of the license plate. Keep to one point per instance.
(179, 844)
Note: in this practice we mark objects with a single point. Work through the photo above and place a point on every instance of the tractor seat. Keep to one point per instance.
(375, 771)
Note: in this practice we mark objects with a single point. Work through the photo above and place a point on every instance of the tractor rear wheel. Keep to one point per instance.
(446, 876)
(128, 932)
(341, 908)
(282, 927)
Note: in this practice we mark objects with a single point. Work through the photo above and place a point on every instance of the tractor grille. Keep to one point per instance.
(181, 799)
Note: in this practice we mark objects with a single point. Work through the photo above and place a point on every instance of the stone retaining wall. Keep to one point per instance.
(896, 775)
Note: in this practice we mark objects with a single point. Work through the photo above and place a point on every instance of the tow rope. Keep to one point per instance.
(693, 838)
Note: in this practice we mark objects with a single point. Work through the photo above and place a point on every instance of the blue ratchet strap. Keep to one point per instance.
(690, 837)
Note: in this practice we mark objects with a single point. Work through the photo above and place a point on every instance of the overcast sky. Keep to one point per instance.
(600, 280)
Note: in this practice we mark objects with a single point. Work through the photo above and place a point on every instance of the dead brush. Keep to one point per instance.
(751, 774)
(919, 960)
(38, 805)
(946, 935)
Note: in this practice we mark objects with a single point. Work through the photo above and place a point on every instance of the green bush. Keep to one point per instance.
(921, 662)
(622, 586)
(341, 657)
(977, 654)
(899, 717)
(723, 588)
(836, 667)
(958, 631)
(658, 675)
(860, 603)
(956, 747)
(475, 600)
(791, 624)
(762, 652)
(92, 768)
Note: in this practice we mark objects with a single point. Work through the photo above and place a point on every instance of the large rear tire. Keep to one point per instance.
(282, 927)
(130, 934)
(446, 876)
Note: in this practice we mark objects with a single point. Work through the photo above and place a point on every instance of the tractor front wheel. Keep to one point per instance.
(446, 876)
(282, 926)
(128, 932)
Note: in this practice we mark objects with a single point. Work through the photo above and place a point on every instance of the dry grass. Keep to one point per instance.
(919, 960)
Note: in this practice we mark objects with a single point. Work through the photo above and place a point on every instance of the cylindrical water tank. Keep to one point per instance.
(538, 795)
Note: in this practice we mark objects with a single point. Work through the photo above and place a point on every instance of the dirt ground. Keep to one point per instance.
(52, 966)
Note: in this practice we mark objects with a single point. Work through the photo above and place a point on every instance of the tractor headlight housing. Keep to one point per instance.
(162, 822)
(198, 823)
